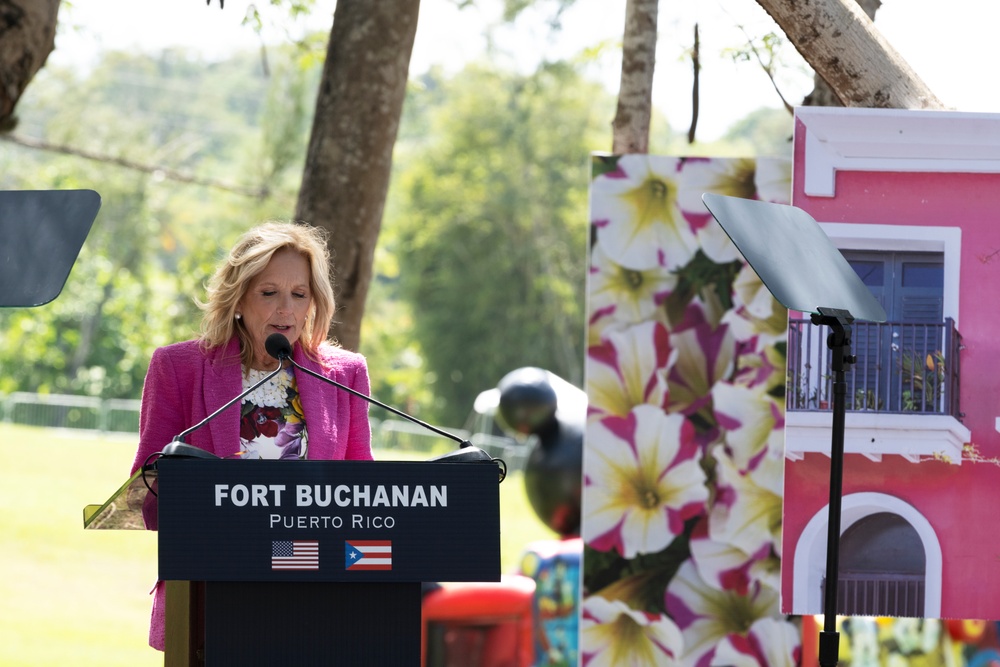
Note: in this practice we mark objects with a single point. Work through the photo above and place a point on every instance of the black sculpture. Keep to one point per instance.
(535, 402)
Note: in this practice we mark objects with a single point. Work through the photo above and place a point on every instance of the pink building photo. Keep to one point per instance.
(912, 200)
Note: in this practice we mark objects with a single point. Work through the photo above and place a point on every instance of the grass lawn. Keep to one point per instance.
(75, 597)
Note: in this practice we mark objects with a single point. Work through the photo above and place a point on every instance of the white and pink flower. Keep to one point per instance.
(728, 568)
(628, 368)
(642, 481)
(756, 313)
(704, 358)
(707, 615)
(634, 210)
(748, 507)
(770, 643)
(748, 417)
(614, 635)
(624, 295)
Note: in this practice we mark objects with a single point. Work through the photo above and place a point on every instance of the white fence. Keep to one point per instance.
(66, 411)
(398, 435)
(89, 413)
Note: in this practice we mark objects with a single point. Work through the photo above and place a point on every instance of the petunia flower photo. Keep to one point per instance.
(707, 615)
(619, 294)
(769, 643)
(635, 214)
(614, 635)
(642, 483)
(629, 368)
(683, 450)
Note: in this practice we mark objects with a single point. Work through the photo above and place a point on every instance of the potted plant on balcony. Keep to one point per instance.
(923, 381)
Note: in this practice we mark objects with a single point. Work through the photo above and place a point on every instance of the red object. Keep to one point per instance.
(810, 642)
(486, 624)
(965, 631)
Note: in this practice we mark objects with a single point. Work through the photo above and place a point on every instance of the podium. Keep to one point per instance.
(311, 562)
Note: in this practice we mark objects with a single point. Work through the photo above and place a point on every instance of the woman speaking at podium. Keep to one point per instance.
(275, 280)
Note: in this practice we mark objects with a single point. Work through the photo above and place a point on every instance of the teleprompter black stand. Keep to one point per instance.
(41, 233)
(307, 562)
(803, 270)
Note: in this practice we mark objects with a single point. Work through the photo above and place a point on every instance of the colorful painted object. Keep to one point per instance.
(554, 565)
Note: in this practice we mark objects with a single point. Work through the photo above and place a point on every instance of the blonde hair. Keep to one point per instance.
(248, 258)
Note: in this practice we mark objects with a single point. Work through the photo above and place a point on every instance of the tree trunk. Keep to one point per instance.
(27, 37)
(841, 44)
(347, 168)
(635, 95)
(822, 95)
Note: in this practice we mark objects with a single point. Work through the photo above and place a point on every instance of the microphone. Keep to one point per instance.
(180, 449)
(278, 347)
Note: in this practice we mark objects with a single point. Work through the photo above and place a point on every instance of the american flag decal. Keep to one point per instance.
(368, 555)
(295, 555)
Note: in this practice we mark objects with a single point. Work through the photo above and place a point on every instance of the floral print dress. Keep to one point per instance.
(271, 422)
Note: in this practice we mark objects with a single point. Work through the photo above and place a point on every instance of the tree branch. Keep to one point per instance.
(768, 68)
(165, 172)
(696, 67)
(842, 45)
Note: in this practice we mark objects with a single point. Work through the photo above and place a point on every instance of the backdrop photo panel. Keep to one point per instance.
(683, 456)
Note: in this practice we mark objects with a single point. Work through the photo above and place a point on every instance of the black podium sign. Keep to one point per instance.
(338, 521)
(312, 562)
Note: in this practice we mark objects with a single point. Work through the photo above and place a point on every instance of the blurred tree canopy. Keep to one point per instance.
(154, 242)
(480, 268)
(491, 233)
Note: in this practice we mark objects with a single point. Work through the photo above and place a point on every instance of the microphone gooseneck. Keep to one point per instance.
(180, 449)
(279, 348)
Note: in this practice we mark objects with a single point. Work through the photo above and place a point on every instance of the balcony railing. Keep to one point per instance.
(902, 368)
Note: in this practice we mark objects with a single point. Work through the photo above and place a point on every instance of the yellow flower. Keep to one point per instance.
(294, 415)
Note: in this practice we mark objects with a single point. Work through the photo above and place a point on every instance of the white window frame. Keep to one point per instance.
(872, 434)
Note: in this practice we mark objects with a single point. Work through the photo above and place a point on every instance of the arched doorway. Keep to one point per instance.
(809, 559)
(882, 568)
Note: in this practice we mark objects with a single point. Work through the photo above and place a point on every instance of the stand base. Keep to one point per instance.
(829, 649)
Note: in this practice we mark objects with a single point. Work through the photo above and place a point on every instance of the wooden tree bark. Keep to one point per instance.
(841, 44)
(822, 95)
(635, 94)
(349, 158)
(27, 37)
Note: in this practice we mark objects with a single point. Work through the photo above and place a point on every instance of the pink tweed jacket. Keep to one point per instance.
(185, 384)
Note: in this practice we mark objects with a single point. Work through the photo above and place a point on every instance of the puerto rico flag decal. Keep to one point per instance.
(368, 555)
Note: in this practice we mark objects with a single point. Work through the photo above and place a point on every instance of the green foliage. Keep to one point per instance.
(155, 242)
(491, 226)
(765, 132)
(514, 8)
(603, 164)
(640, 580)
(396, 365)
(480, 268)
(699, 276)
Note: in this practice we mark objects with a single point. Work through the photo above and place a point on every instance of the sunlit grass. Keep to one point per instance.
(75, 597)
(69, 596)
